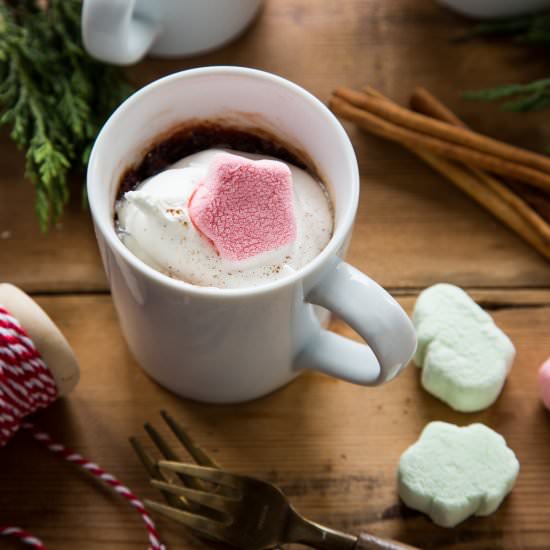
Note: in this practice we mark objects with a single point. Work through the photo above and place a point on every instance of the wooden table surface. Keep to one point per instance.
(333, 447)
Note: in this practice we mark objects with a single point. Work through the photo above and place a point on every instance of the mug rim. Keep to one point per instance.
(108, 232)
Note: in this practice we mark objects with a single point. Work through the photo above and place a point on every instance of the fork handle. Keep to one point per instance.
(366, 541)
(318, 536)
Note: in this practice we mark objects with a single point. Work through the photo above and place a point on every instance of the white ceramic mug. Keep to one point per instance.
(230, 345)
(124, 31)
(488, 9)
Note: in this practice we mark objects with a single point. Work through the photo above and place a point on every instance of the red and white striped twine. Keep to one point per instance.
(27, 385)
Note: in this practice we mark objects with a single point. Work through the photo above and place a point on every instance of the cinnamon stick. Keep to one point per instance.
(496, 198)
(442, 129)
(397, 124)
(483, 195)
(424, 102)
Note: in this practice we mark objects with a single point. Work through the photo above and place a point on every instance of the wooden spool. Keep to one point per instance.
(48, 339)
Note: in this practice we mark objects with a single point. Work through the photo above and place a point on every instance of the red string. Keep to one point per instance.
(27, 385)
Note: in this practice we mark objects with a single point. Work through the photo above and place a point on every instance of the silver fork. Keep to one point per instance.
(241, 511)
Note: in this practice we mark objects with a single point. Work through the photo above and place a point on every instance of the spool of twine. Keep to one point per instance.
(37, 365)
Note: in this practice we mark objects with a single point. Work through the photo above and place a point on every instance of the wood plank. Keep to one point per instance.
(332, 447)
(66, 258)
(413, 228)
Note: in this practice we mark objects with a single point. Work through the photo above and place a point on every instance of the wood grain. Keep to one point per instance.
(331, 446)
(367, 541)
(64, 259)
(413, 228)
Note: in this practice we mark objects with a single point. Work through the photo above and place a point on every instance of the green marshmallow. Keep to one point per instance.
(451, 473)
(464, 356)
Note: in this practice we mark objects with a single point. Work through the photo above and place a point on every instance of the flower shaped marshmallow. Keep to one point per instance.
(451, 473)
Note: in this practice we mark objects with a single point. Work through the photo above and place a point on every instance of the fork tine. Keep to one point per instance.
(199, 456)
(210, 528)
(148, 463)
(169, 453)
(202, 472)
(154, 471)
(197, 453)
(212, 500)
(161, 443)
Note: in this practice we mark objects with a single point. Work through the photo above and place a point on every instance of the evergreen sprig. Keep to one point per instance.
(534, 96)
(531, 30)
(53, 94)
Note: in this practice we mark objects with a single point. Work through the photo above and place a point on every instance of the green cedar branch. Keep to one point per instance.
(534, 96)
(531, 30)
(53, 94)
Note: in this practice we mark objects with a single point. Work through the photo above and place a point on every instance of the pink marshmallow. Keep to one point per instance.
(244, 207)
(544, 383)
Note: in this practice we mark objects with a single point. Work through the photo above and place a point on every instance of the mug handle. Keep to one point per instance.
(112, 33)
(374, 314)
